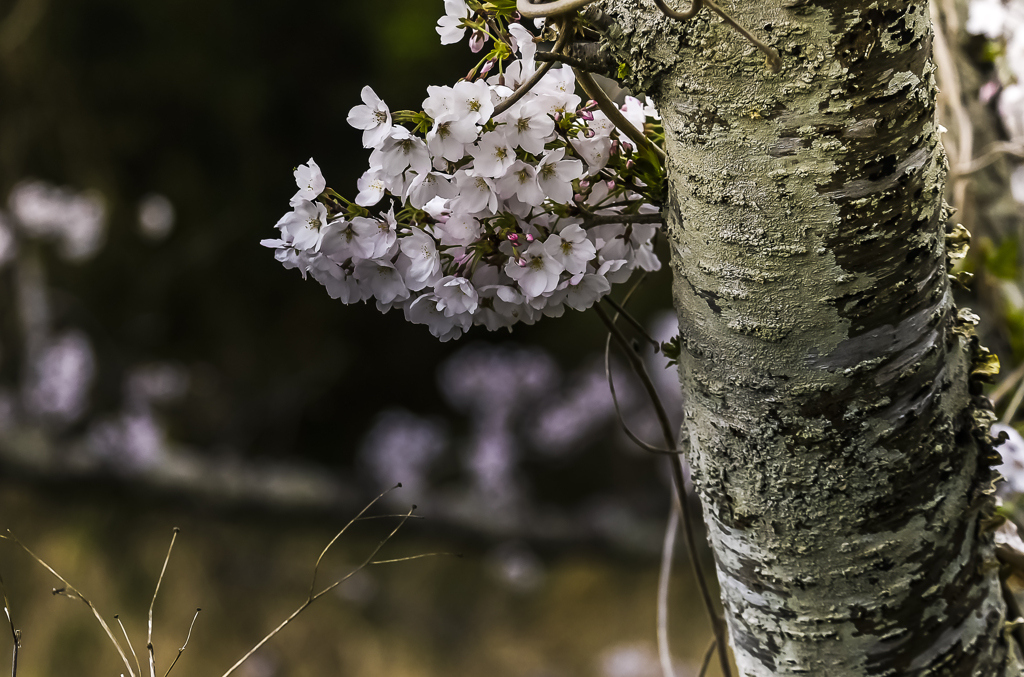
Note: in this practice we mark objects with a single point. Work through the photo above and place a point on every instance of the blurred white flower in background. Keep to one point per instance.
(75, 220)
(156, 217)
(60, 379)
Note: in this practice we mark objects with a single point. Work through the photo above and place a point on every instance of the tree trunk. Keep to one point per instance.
(837, 435)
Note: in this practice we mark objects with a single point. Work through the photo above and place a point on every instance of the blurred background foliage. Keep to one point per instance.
(176, 375)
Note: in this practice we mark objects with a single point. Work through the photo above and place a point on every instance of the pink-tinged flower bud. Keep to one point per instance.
(529, 238)
(630, 164)
(476, 41)
(589, 133)
(611, 185)
(521, 263)
(558, 117)
(584, 184)
(627, 147)
(513, 237)
(586, 115)
(615, 148)
(591, 105)
(487, 67)
(577, 197)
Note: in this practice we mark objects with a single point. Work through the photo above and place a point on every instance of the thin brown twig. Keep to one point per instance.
(635, 323)
(560, 42)
(618, 411)
(695, 7)
(410, 557)
(15, 633)
(312, 598)
(1007, 384)
(531, 10)
(76, 595)
(149, 635)
(138, 666)
(1013, 406)
(717, 623)
(664, 575)
(608, 107)
(707, 658)
(774, 62)
(182, 649)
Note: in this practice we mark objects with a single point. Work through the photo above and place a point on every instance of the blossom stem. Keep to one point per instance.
(563, 38)
(608, 107)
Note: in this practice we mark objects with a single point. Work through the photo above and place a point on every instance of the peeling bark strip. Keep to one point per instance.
(837, 438)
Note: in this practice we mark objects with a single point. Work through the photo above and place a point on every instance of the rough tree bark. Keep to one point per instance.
(837, 435)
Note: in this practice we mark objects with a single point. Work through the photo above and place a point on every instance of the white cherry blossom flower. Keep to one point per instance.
(460, 230)
(476, 193)
(310, 182)
(424, 310)
(492, 156)
(304, 224)
(420, 264)
(455, 295)
(571, 249)
(521, 181)
(472, 98)
(376, 236)
(449, 138)
(528, 126)
(449, 26)
(588, 291)
(341, 242)
(425, 187)
(402, 150)
(537, 273)
(371, 187)
(524, 44)
(555, 175)
(382, 279)
(596, 151)
(339, 283)
(373, 117)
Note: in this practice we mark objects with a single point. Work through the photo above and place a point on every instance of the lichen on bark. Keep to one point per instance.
(837, 433)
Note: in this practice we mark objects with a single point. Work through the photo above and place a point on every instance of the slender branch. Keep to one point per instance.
(531, 10)
(15, 634)
(138, 666)
(1011, 408)
(312, 598)
(618, 412)
(707, 658)
(664, 574)
(774, 62)
(1007, 384)
(991, 154)
(717, 624)
(632, 321)
(149, 635)
(77, 595)
(695, 7)
(555, 57)
(563, 38)
(608, 107)
(602, 219)
(316, 568)
(182, 649)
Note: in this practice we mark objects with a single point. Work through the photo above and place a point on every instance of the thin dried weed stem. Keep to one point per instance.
(159, 580)
(138, 666)
(664, 575)
(15, 633)
(182, 649)
(311, 597)
(75, 594)
(708, 653)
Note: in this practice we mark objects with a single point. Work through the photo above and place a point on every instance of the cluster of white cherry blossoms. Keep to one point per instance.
(467, 217)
